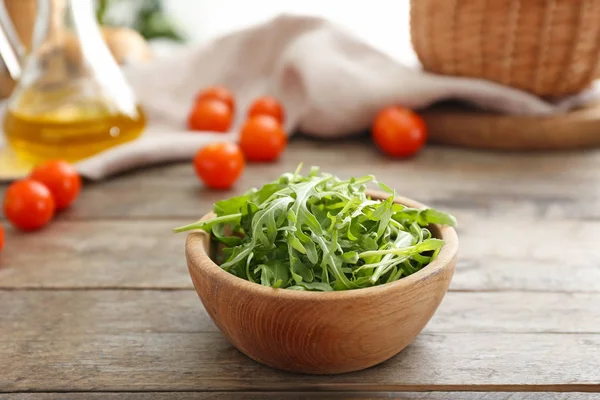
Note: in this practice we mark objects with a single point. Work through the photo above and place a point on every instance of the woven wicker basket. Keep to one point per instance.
(546, 47)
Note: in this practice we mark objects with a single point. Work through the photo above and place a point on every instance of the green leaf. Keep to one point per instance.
(386, 188)
(433, 216)
(218, 231)
(294, 242)
(230, 206)
(209, 223)
(264, 226)
(350, 257)
(248, 211)
(383, 214)
(320, 233)
(315, 286)
(300, 272)
(273, 272)
(238, 254)
(331, 262)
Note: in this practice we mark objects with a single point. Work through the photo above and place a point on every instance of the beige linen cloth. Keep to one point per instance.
(331, 83)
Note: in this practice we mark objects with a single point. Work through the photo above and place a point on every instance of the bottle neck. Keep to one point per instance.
(82, 11)
(54, 17)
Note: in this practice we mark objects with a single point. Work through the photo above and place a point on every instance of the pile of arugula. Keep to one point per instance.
(320, 233)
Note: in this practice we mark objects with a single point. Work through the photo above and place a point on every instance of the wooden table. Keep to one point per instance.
(101, 300)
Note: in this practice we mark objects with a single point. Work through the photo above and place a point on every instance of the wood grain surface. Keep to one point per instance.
(101, 300)
(462, 126)
(55, 313)
(207, 362)
(86, 254)
(303, 395)
(540, 185)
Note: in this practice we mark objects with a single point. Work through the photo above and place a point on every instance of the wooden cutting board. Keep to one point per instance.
(458, 125)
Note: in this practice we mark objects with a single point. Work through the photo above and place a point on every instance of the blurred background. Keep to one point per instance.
(382, 23)
(56, 89)
(70, 83)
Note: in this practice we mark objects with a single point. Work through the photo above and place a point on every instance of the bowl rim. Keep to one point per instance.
(198, 258)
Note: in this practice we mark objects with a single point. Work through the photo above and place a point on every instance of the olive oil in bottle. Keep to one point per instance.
(70, 133)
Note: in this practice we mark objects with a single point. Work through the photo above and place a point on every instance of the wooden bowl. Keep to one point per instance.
(321, 332)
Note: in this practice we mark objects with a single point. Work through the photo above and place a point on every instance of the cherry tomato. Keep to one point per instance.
(217, 93)
(262, 138)
(1, 238)
(267, 105)
(210, 115)
(28, 204)
(219, 165)
(399, 132)
(61, 179)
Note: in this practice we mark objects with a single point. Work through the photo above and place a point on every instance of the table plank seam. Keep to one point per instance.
(557, 388)
(188, 289)
(95, 288)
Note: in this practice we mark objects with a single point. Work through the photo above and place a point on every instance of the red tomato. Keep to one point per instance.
(1, 238)
(28, 204)
(219, 165)
(267, 105)
(61, 179)
(210, 115)
(262, 138)
(217, 93)
(399, 132)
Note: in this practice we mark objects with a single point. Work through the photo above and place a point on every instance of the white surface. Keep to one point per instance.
(382, 23)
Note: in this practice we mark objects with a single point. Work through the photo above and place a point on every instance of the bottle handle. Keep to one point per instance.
(12, 50)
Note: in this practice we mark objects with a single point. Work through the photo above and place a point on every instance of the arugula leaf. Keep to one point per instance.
(299, 271)
(230, 206)
(320, 233)
(433, 216)
(273, 273)
(218, 231)
(315, 286)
